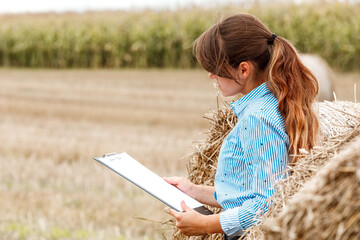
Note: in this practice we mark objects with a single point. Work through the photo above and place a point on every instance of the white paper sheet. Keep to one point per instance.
(141, 176)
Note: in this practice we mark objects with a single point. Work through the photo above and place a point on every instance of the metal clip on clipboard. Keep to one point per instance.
(109, 154)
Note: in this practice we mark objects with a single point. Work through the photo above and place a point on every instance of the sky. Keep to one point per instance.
(21, 6)
(34, 6)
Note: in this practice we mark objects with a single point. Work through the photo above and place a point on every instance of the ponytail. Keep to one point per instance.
(296, 89)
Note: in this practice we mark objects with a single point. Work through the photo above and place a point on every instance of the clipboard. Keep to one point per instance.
(136, 173)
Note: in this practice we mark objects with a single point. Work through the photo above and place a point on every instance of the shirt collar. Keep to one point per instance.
(239, 105)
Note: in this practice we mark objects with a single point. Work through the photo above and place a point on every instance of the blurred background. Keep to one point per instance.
(82, 78)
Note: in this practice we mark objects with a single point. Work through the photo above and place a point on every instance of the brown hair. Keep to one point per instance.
(242, 37)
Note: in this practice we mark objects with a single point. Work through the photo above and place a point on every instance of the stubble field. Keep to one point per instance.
(52, 124)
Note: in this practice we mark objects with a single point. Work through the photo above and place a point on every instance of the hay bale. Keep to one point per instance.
(326, 207)
(324, 74)
(339, 123)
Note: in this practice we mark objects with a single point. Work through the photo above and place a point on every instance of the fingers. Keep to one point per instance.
(177, 214)
(172, 180)
(185, 207)
(174, 213)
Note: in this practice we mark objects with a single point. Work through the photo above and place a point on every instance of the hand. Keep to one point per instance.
(190, 222)
(202, 193)
(183, 184)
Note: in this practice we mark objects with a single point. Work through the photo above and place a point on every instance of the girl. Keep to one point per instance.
(275, 119)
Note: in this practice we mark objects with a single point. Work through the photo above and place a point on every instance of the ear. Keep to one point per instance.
(244, 69)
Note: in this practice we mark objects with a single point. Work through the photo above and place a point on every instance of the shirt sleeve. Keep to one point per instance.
(266, 153)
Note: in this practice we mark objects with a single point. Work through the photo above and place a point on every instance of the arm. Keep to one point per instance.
(205, 194)
(202, 193)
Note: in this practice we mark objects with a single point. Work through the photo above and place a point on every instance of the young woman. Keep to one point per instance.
(275, 120)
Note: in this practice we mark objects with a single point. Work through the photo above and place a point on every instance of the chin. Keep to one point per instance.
(227, 95)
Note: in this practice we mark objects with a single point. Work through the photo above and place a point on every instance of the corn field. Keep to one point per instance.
(158, 39)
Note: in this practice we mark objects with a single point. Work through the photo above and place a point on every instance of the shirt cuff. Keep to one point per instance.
(229, 221)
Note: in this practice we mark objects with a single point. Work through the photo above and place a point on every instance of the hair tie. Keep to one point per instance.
(271, 41)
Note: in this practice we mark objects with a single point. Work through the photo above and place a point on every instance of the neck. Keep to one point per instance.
(253, 83)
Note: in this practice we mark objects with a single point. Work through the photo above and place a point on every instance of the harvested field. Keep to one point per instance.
(53, 122)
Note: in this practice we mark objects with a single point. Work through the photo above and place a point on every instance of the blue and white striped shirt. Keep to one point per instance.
(251, 158)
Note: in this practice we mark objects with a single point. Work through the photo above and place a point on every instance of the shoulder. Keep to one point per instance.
(265, 107)
(264, 112)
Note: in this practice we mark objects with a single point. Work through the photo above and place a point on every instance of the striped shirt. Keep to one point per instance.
(251, 158)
